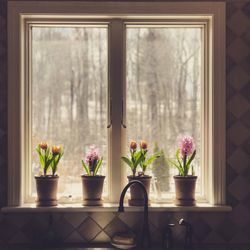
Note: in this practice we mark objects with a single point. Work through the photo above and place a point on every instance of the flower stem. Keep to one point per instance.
(184, 164)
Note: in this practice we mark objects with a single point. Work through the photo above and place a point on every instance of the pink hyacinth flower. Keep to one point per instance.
(186, 145)
(92, 155)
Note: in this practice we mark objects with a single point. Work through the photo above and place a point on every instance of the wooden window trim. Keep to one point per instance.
(214, 101)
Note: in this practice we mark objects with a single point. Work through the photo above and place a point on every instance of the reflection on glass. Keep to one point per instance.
(69, 98)
(163, 90)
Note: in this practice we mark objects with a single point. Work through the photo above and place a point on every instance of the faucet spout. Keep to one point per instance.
(145, 237)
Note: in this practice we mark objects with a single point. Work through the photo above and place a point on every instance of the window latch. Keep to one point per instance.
(122, 122)
(110, 114)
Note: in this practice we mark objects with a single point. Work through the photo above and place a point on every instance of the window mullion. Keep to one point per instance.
(115, 93)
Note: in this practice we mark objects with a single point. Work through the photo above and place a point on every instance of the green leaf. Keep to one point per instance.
(98, 166)
(151, 159)
(179, 167)
(128, 161)
(137, 155)
(178, 156)
(41, 157)
(191, 158)
(138, 160)
(86, 168)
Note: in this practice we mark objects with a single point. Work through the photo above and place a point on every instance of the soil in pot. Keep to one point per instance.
(136, 193)
(185, 190)
(92, 188)
(46, 187)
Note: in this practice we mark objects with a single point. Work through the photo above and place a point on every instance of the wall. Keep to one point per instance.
(233, 227)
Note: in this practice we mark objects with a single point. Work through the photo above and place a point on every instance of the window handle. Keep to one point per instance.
(122, 123)
(110, 114)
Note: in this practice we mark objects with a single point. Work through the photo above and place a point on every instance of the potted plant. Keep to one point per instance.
(46, 184)
(184, 182)
(92, 184)
(138, 158)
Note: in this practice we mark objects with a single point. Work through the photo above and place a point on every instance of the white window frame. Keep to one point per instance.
(210, 14)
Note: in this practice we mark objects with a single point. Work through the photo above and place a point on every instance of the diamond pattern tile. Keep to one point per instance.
(62, 228)
(75, 219)
(89, 229)
(239, 23)
(245, 91)
(246, 9)
(201, 229)
(230, 36)
(231, 200)
(238, 77)
(103, 219)
(132, 220)
(227, 229)
(238, 50)
(245, 119)
(75, 237)
(246, 173)
(231, 9)
(212, 219)
(36, 227)
(102, 237)
(246, 37)
(115, 226)
(238, 133)
(239, 188)
(239, 160)
(231, 175)
(230, 92)
(238, 105)
(236, 215)
(246, 62)
(246, 146)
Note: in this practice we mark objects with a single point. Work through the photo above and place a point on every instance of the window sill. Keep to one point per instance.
(113, 207)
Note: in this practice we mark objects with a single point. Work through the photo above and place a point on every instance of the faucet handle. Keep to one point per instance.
(189, 233)
(170, 225)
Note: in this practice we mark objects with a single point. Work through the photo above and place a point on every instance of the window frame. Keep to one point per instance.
(213, 14)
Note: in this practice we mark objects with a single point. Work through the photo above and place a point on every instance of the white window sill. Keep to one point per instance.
(111, 207)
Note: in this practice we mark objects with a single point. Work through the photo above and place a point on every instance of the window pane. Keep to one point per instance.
(69, 98)
(163, 89)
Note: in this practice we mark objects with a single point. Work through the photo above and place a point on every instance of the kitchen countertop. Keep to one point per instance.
(107, 246)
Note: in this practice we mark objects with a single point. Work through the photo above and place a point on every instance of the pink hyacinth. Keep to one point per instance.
(92, 155)
(186, 145)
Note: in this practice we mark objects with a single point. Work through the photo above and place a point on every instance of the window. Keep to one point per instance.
(164, 84)
(152, 75)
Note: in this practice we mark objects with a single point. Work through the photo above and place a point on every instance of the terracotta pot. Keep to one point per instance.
(92, 188)
(46, 187)
(185, 190)
(136, 193)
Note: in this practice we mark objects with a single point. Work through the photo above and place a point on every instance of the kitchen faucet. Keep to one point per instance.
(145, 237)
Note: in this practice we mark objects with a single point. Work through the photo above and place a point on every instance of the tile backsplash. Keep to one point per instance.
(233, 227)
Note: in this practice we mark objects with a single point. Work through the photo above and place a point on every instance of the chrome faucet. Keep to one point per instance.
(145, 237)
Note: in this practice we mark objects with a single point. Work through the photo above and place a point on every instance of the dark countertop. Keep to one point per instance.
(99, 246)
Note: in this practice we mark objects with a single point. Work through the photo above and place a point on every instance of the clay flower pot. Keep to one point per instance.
(46, 190)
(136, 193)
(92, 188)
(185, 190)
